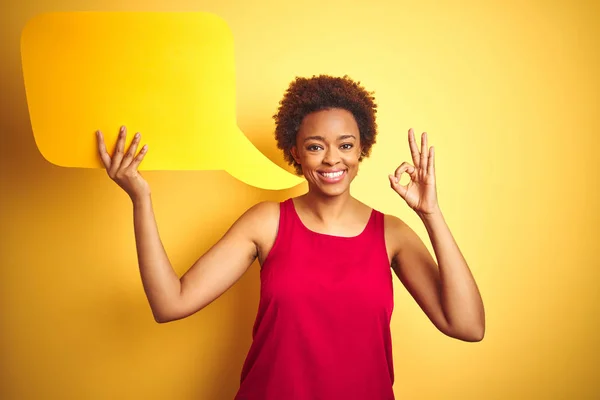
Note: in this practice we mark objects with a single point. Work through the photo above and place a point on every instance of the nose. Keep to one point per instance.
(331, 157)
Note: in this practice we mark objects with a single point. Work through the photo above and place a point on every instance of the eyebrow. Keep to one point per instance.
(321, 138)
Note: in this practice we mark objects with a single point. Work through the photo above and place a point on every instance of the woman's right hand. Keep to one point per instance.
(122, 167)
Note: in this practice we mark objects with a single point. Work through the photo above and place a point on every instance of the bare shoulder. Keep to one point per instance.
(397, 234)
(394, 224)
(263, 213)
(256, 221)
(262, 223)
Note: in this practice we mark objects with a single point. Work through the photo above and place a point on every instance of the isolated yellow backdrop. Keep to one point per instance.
(508, 93)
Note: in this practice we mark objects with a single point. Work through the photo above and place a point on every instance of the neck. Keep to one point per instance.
(326, 208)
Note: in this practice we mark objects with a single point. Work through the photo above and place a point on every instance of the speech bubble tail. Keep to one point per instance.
(252, 167)
(278, 178)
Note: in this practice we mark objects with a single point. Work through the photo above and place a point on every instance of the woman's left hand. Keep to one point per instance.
(420, 193)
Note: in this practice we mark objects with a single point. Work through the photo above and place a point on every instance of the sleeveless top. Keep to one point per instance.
(322, 331)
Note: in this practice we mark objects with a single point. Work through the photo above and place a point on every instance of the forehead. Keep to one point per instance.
(329, 123)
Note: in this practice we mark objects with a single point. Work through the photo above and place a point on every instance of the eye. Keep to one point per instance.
(314, 147)
(347, 146)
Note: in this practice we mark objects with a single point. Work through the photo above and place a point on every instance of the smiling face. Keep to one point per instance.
(328, 149)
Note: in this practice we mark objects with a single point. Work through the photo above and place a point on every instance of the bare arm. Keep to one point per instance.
(160, 281)
(172, 298)
(209, 277)
(447, 293)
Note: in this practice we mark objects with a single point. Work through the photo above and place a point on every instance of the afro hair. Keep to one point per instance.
(308, 95)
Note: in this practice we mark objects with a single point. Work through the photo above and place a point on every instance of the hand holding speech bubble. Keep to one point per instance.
(170, 76)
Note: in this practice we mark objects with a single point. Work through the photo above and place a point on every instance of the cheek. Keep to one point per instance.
(353, 159)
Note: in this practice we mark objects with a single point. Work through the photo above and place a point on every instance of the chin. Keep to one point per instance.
(333, 192)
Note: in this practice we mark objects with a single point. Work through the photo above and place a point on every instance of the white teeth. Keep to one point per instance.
(332, 174)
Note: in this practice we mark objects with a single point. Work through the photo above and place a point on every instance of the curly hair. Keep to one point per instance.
(307, 95)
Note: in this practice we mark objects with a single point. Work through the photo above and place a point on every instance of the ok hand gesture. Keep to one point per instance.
(420, 193)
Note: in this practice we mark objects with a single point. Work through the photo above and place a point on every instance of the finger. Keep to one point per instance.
(118, 152)
(138, 159)
(104, 156)
(131, 151)
(431, 163)
(424, 152)
(400, 189)
(394, 182)
(405, 167)
(414, 150)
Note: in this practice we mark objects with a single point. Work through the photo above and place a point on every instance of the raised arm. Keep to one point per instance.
(170, 297)
(445, 290)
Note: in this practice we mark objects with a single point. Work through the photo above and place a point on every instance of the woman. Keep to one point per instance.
(323, 325)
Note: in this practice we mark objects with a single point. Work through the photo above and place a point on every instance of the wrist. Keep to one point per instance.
(141, 201)
(436, 213)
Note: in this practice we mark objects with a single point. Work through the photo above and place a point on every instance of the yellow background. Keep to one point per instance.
(509, 94)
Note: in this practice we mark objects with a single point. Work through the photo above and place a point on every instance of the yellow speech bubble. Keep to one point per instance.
(170, 76)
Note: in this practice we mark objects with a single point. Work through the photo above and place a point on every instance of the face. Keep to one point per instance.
(328, 149)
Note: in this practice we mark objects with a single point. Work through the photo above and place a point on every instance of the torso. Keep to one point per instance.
(322, 327)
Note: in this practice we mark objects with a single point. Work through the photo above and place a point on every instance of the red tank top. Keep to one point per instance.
(322, 331)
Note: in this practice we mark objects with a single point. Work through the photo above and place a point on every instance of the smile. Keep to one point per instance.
(332, 176)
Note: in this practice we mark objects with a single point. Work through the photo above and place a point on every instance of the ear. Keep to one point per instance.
(294, 152)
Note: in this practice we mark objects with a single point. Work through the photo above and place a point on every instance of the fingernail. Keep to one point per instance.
(137, 135)
(122, 128)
